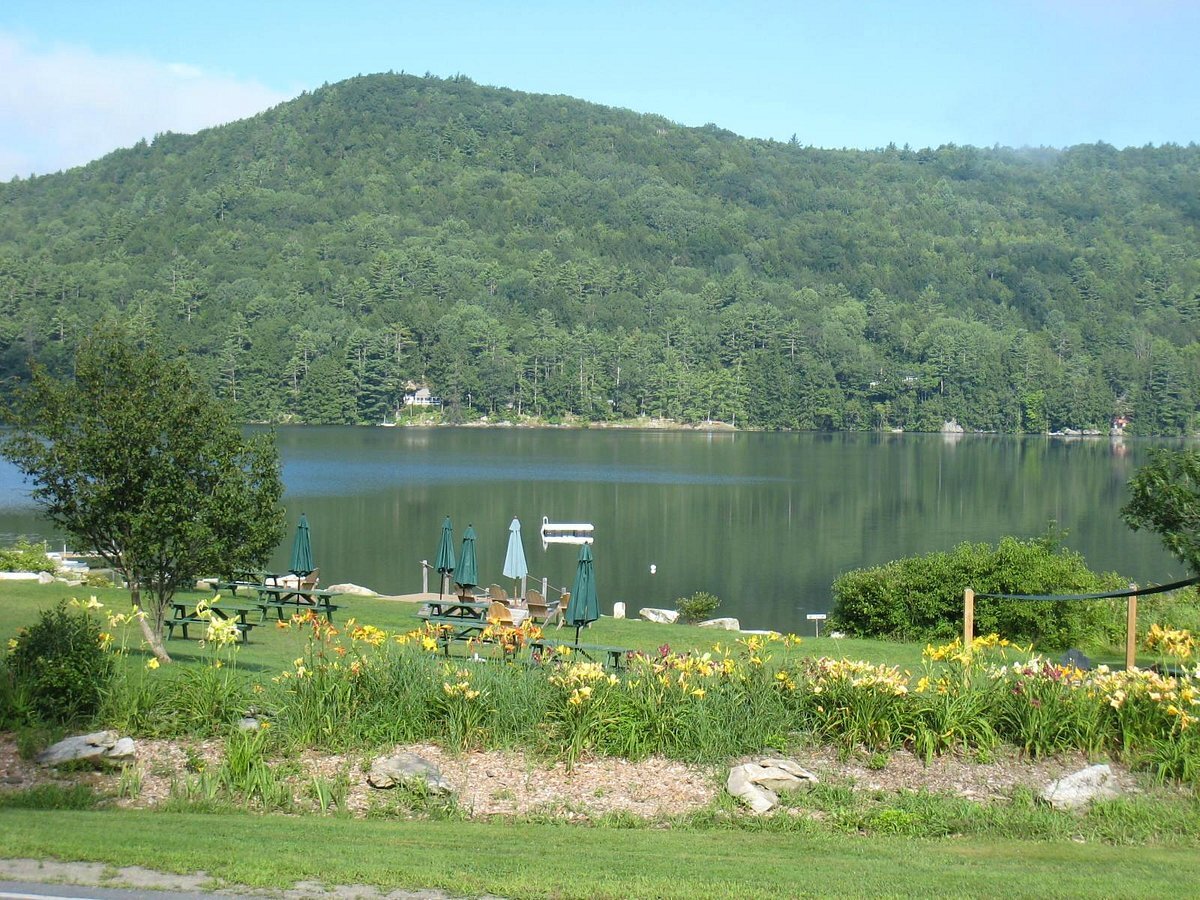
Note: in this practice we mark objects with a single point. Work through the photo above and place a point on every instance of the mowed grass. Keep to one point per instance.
(534, 860)
(271, 649)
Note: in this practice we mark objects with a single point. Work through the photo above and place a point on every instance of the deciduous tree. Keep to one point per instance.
(136, 460)
(1165, 499)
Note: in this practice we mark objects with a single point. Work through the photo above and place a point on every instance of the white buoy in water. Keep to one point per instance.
(653, 568)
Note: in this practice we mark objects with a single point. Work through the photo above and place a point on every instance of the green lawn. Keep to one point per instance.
(525, 860)
(271, 649)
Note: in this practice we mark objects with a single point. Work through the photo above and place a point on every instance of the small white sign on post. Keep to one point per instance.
(816, 619)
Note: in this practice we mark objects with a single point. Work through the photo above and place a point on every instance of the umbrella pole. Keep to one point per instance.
(577, 627)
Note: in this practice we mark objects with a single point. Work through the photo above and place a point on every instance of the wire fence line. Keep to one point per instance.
(1132, 592)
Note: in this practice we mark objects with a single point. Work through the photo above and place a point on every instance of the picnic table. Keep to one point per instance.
(218, 584)
(257, 576)
(185, 614)
(460, 619)
(281, 597)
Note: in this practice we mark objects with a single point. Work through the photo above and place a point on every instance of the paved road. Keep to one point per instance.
(25, 890)
(31, 890)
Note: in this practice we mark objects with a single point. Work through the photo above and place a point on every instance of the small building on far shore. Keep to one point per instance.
(421, 396)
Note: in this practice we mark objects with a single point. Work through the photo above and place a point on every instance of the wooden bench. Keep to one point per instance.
(613, 657)
(457, 622)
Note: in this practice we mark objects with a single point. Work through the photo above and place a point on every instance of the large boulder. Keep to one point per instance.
(757, 784)
(355, 589)
(101, 747)
(661, 616)
(758, 798)
(726, 623)
(1078, 789)
(390, 771)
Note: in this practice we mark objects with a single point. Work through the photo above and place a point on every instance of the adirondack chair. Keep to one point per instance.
(498, 612)
(497, 594)
(539, 610)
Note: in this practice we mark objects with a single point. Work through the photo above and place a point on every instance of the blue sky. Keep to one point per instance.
(79, 79)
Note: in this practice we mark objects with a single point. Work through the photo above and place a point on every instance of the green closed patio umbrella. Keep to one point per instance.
(302, 559)
(445, 556)
(468, 569)
(583, 607)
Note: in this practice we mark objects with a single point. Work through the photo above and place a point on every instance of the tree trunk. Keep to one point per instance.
(151, 632)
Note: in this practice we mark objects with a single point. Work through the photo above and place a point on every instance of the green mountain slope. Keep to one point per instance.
(527, 254)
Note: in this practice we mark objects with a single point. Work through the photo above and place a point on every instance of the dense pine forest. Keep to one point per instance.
(537, 256)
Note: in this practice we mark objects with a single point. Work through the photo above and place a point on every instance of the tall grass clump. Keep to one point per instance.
(361, 686)
(196, 700)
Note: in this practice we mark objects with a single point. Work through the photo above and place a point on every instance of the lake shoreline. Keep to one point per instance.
(654, 424)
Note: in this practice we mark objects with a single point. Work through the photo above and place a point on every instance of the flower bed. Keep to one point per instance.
(362, 687)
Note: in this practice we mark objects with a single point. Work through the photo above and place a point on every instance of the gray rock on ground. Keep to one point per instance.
(758, 784)
(390, 771)
(1078, 789)
(354, 589)
(661, 616)
(727, 623)
(102, 747)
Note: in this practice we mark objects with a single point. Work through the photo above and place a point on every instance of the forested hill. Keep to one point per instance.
(538, 255)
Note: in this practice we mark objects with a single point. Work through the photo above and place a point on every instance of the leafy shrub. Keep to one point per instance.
(25, 556)
(920, 598)
(697, 607)
(61, 663)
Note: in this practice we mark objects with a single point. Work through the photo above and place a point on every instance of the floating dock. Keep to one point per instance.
(566, 532)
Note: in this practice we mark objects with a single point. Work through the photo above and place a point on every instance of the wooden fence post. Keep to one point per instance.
(968, 619)
(1131, 630)
(424, 576)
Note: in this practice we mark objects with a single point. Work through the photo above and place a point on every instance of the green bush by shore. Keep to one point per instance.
(920, 598)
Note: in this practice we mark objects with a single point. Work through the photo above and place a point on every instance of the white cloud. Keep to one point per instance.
(63, 106)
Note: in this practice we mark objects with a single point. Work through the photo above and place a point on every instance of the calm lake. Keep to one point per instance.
(764, 521)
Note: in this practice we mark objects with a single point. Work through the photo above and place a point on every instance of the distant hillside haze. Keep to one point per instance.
(524, 255)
